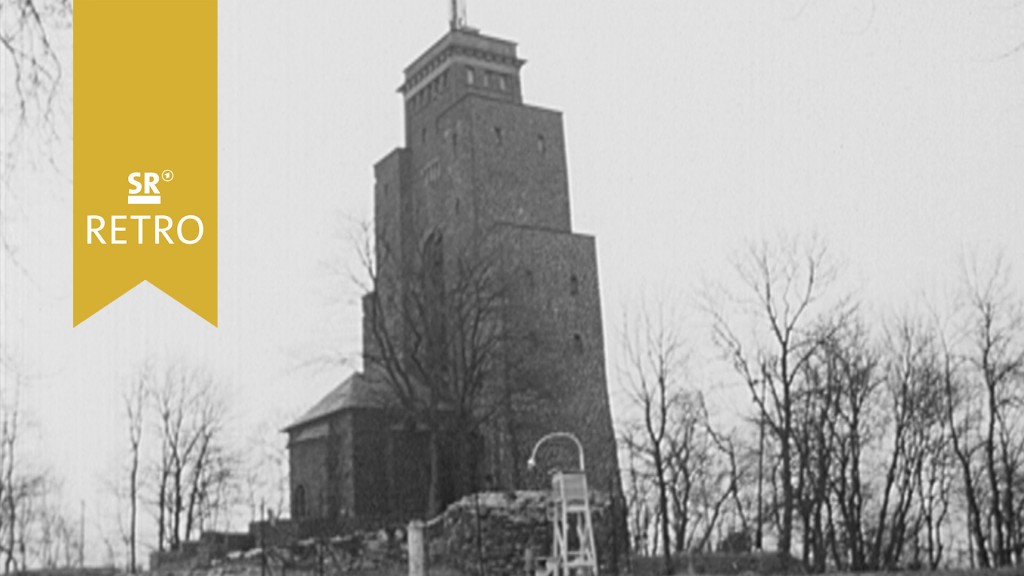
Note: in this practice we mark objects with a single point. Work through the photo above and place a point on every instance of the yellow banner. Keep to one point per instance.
(145, 145)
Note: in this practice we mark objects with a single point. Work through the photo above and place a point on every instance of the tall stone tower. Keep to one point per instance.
(475, 258)
(481, 167)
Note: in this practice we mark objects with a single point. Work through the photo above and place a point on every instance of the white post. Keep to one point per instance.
(417, 550)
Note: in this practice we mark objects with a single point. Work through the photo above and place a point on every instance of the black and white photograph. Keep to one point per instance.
(536, 288)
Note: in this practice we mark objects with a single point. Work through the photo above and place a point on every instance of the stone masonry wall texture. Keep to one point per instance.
(480, 166)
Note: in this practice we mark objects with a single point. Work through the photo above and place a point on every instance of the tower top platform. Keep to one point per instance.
(461, 46)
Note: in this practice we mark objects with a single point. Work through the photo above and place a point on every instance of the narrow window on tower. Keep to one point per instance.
(423, 136)
(502, 83)
(574, 285)
(455, 140)
(470, 75)
(542, 146)
(299, 504)
(497, 135)
(577, 343)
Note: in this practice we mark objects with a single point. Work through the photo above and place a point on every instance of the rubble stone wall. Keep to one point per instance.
(491, 532)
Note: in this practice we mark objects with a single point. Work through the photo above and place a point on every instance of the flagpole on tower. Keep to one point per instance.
(458, 14)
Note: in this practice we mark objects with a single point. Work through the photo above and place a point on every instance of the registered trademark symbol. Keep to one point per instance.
(167, 175)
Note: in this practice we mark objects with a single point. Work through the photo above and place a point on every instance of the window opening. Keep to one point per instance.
(300, 501)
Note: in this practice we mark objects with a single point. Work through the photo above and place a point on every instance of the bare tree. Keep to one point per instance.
(440, 342)
(960, 418)
(265, 471)
(12, 485)
(21, 488)
(993, 370)
(842, 381)
(26, 111)
(785, 286)
(641, 518)
(912, 378)
(194, 466)
(655, 360)
(136, 400)
(34, 529)
(716, 477)
(26, 35)
(56, 542)
(683, 473)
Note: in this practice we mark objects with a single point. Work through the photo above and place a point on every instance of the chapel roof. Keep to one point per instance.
(356, 391)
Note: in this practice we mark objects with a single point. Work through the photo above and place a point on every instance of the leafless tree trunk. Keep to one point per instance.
(654, 356)
(637, 495)
(33, 528)
(193, 467)
(438, 341)
(28, 54)
(135, 402)
(960, 430)
(995, 354)
(784, 287)
(844, 370)
(10, 481)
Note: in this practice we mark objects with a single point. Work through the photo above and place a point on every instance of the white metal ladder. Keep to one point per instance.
(572, 546)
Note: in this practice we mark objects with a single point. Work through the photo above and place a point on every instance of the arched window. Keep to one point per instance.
(470, 75)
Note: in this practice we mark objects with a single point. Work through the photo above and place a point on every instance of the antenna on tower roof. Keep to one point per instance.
(458, 16)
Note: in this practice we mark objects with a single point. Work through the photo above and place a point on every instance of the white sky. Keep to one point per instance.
(893, 130)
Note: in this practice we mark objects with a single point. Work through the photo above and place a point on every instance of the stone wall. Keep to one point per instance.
(318, 471)
(560, 360)
(491, 532)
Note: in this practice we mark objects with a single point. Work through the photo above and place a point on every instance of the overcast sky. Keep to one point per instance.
(893, 130)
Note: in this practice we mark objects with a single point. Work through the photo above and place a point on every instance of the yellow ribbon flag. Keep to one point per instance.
(145, 118)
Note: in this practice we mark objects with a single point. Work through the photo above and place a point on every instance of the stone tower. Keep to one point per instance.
(482, 174)
(478, 163)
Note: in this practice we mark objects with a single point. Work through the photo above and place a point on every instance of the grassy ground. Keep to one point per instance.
(442, 571)
(746, 564)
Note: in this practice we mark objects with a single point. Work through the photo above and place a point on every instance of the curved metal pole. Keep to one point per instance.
(532, 462)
